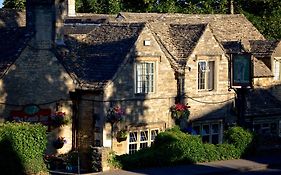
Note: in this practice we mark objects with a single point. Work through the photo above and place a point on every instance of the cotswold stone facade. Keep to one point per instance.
(87, 64)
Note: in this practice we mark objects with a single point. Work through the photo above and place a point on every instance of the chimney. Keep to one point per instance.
(40, 17)
(71, 8)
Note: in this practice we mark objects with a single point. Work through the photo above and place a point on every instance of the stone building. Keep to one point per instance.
(55, 60)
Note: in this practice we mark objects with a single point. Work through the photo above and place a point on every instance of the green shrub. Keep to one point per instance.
(175, 147)
(242, 139)
(22, 148)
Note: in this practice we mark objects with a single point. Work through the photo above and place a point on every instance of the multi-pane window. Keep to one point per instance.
(206, 75)
(145, 72)
(210, 132)
(141, 139)
(133, 145)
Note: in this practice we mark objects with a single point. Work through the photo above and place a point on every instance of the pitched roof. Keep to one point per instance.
(225, 27)
(263, 48)
(14, 37)
(260, 102)
(94, 58)
(261, 70)
(178, 40)
(185, 37)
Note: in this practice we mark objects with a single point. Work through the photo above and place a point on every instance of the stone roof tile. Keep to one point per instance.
(261, 70)
(94, 58)
(260, 102)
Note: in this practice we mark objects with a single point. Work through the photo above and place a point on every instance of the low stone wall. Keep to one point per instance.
(100, 156)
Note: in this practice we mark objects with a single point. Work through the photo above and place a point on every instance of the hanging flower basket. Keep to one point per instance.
(59, 142)
(59, 119)
(180, 111)
(114, 114)
(121, 136)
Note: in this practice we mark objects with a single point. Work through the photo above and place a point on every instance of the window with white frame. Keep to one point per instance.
(210, 132)
(145, 75)
(141, 139)
(276, 71)
(206, 75)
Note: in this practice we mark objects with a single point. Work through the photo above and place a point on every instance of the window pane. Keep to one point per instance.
(132, 148)
(133, 136)
(201, 74)
(143, 136)
(211, 74)
(143, 145)
(154, 133)
(205, 130)
(215, 128)
(276, 70)
(196, 130)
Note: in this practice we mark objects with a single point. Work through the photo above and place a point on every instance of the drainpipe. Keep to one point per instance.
(180, 88)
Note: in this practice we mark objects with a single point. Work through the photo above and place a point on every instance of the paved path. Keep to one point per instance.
(215, 168)
(210, 168)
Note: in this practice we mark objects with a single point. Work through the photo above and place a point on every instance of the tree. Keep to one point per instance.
(14, 4)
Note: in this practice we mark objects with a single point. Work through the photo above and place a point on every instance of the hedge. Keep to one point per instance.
(174, 147)
(22, 148)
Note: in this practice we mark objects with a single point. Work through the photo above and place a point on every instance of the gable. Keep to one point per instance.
(95, 57)
(207, 45)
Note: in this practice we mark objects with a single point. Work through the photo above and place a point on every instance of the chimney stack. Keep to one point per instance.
(71, 8)
(231, 6)
(40, 18)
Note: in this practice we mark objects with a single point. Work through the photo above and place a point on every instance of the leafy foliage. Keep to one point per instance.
(14, 4)
(22, 147)
(265, 16)
(175, 147)
(242, 139)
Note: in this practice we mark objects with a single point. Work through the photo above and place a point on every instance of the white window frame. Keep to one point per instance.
(276, 71)
(144, 78)
(149, 141)
(208, 77)
(133, 143)
(211, 133)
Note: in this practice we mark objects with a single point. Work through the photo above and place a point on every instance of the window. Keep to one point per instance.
(145, 72)
(141, 139)
(206, 75)
(276, 70)
(210, 132)
(266, 128)
(133, 142)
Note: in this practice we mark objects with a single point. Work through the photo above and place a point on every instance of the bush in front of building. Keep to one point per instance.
(173, 147)
(22, 148)
(242, 139)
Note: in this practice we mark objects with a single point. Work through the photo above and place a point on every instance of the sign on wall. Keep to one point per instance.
(241, 70)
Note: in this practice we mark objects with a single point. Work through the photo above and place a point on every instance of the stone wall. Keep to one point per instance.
(215, 103)
(142, 109)
(38, 78)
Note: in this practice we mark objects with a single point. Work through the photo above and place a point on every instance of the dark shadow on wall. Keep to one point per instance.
(29, 75)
